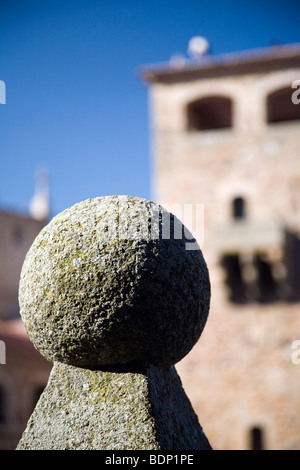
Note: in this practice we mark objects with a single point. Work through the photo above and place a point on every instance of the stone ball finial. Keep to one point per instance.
(104, 284)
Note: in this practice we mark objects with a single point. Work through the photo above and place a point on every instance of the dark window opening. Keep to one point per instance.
(234, 281)
(266, 284)
(280, 107)
(253, 280)
(256, 439)
(262, 279)
(2, 407)
(238, 208)
(214, 112)
(292, 262)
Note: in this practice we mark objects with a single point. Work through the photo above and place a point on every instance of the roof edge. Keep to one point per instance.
(212, 64)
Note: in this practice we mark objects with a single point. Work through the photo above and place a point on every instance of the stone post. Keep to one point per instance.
(114, 303)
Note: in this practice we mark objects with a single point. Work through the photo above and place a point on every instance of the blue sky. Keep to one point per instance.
(74, 100)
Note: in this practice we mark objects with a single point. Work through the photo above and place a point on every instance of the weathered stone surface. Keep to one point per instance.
(83, 409)
(114, 298)
(93, 293)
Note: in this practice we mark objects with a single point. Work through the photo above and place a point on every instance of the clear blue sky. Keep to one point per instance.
(74, 102)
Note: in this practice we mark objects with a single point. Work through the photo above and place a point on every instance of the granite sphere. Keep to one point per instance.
(109, 282)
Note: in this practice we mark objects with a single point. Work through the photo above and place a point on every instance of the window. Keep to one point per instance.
(266, 283)
(2, 406)
(256, 439)
(292, 263)
(280, 107)
(238, 208)
(234, 280)
(214, 112)
(251, 279)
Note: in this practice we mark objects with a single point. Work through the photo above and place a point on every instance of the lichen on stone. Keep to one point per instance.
(89, 296)
(83, 409)
(114, 304)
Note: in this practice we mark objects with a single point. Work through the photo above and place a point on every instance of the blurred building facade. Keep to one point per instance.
(226, 134)
(24, 373)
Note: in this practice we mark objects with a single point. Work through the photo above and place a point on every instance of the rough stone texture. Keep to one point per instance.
(113, 296)
(93, 294)
(83, 409)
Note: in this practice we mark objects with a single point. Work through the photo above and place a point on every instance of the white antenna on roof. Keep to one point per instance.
(198, 47)
(39, 204)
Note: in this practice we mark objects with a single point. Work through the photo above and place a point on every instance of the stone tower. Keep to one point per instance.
(226, 135)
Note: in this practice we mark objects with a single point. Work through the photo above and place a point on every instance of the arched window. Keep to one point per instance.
(238, 208)
(213, 112)
(256, 439)
(280, 107)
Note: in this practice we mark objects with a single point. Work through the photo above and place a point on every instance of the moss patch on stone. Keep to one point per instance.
(89, 296)
(82, 409)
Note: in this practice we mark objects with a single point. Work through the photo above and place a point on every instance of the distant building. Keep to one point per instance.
(226, 134)
(25, 372)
